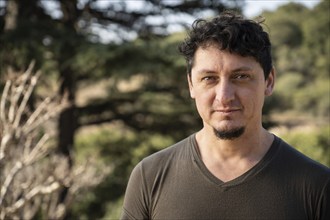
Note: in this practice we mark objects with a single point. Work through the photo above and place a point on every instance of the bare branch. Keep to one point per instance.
(26, 97)
(17, 91)
(38, 111)
(4, 189)
(3, 102)
(35, 191)
(31, 173)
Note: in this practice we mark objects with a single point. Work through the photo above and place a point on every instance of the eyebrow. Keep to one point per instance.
(211, 71)
(205, 71)
(243, 68)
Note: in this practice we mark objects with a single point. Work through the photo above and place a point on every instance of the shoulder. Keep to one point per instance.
(177, 150)
(148, 178)
(163, 159)
(297, 162)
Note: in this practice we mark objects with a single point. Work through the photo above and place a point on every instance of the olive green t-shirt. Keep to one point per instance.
(175, 184)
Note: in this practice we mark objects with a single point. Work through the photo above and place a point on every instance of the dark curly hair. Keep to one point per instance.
(231, 32)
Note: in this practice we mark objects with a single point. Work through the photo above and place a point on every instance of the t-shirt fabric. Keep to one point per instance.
(174, 184)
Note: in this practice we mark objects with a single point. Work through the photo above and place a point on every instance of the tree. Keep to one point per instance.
(71, 32)
(60, 36)
(301, 56)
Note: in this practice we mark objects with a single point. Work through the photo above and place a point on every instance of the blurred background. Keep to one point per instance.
(116, 67)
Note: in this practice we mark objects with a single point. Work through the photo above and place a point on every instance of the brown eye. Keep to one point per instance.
(241, 76)
(209, 79)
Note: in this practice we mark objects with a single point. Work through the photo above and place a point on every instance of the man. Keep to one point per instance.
(232, 168)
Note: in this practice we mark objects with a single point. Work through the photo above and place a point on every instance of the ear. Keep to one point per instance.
(191, 88)
(270, 82)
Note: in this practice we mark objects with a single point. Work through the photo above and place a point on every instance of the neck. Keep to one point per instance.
(228, 159)
(252, 145)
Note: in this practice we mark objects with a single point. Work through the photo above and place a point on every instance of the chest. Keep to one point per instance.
(194, 196)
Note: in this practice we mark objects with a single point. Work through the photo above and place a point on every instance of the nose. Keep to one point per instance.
(225, 92)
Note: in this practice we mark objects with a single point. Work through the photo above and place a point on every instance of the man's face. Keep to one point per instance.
(229, 90)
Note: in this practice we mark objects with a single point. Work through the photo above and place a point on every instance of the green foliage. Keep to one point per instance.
(315, 144)
(290, 35)
(301, 53)
(122, 148)
(316, 28)
(114, 209)
(289, 83)
(314, 97)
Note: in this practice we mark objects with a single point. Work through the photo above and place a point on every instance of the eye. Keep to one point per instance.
(209, 79)
(241, 76)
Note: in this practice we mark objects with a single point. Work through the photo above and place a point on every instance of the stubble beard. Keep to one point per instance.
(229, 134)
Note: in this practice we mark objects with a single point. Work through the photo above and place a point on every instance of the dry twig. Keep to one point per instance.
(31, 173)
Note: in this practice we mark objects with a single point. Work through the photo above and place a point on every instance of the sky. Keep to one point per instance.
(252, 8)
(255, 7)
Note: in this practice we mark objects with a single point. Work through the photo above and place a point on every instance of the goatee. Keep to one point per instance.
(229, 134)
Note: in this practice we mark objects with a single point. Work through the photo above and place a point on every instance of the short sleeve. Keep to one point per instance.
(136, 196)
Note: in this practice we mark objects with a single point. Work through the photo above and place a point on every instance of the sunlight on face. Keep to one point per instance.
(229, 90)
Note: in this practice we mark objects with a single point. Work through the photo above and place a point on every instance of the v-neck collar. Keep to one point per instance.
(240, 179)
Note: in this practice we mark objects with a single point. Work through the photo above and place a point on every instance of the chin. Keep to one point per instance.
(229, 134)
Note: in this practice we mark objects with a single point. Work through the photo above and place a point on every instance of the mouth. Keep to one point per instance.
(227, 110)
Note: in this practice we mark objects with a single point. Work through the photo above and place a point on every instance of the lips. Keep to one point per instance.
(227, 110)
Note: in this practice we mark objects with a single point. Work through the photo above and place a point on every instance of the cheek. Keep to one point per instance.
(204, 98)
(252, 100)
(204, 102)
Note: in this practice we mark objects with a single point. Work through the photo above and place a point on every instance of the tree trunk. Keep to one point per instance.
(67, 120)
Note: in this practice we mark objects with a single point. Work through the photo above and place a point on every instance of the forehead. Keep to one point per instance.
(213, 58)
